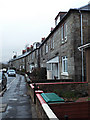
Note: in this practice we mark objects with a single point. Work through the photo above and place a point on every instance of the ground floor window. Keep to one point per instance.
(64, 64)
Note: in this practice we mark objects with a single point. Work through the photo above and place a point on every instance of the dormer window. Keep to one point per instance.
(59, 17)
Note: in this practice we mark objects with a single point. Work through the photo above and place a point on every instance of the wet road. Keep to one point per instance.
(16, 98)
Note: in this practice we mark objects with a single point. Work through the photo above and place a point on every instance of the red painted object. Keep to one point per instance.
(32, 86)
(42, 101)
(31, 46)
(38, 91)
(61, 83)
(74, 111)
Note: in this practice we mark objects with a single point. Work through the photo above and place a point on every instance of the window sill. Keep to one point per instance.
(52, 49)
(65, 73)
(64, 42)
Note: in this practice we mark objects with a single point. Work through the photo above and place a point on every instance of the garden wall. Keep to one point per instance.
(64, 89)
(74, 111)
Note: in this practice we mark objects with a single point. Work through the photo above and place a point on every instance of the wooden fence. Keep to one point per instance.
(74, 111)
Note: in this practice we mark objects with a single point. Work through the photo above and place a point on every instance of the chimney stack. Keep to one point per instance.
(28, 49)
(52, 29)
(23, 51)
(43, 39)
(31, 47)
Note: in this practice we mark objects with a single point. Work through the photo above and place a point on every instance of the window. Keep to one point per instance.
(35, 53)
(28, 58)
(32, 55)
(23, 59)
(48, 66)
(64, 33)
(46, 48)
(23, 66)
(64, 65)
(20, 60)
(52, 42)
(41, 51)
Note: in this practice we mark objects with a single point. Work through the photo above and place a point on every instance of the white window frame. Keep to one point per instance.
(23, 67)
(32, 55)
(46, 48)
(23, 60)
(64, 65)
(64, 32)
(53, 42)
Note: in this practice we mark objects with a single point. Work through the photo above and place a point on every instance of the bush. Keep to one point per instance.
(38, 73)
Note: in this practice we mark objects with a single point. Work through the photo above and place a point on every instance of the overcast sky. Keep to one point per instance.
(27, 21)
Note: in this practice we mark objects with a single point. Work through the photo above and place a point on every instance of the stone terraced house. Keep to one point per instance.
(58, 52)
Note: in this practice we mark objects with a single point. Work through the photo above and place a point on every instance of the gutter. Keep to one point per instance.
(84, 47)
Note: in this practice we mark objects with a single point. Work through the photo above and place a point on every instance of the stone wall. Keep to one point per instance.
(80, 90)
(40, 112)
(70, 47)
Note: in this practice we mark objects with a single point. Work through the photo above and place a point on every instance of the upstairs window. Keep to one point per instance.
(42, 51)
(35, 53)
(52, 42)
(46, 48)
(32, 55)
(28, 58)
(23, 60)
(64, 33)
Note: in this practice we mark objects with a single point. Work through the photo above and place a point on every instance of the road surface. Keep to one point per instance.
(16, 102)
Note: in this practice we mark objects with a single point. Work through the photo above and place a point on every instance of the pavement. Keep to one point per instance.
(16, 103)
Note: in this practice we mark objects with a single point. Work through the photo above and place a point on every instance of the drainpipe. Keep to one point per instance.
(25, 64)
(82, 44)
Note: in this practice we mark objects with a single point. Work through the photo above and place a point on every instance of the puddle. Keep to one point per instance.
(13, 99)
(8, 108)
(3, 107)
(24, 95)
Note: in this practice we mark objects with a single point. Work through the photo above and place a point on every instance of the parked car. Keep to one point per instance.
(4, 70)
(11, 72)
(3, 80)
